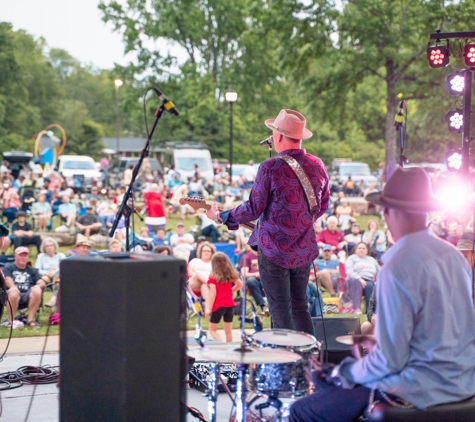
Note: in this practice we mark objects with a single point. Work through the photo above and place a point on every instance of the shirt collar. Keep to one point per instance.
(297, 151)
(411, 238)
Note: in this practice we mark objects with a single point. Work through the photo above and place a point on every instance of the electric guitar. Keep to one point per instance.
(197, 203)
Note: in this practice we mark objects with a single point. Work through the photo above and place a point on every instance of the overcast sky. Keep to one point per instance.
(74, 25)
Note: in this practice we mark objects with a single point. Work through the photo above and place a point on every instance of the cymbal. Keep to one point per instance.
(246, 355)
(351, 340)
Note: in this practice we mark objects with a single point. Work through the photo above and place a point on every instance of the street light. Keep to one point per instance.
(118, 83)
(231, 97)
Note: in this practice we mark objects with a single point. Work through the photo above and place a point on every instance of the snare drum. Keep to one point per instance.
(286, 379)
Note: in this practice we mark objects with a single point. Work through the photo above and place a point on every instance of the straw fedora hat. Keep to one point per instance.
(407, 189)
(82, 240)
(290, 123)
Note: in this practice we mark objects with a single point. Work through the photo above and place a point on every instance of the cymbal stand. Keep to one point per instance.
(241, 393)
(213, 378)
(244, 341)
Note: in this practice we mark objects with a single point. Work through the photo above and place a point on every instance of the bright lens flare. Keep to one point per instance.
(455, 194)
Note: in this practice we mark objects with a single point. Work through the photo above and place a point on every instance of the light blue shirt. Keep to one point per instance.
(67, 208)
(425, 332)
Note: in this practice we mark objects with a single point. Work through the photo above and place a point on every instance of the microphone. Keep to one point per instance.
(267, 142)
(166, 103)
(399, 118)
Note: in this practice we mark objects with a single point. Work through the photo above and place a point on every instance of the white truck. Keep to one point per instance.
(79, 166)
(185, 159)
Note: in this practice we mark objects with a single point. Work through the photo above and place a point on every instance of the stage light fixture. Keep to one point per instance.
(438, 56)
(455, 120)
(456, 83)
(453, 160)
(469, 55)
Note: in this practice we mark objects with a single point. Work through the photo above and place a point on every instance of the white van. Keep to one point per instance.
(185, 159)
(71, 166)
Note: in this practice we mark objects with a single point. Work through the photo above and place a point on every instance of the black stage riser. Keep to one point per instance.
(123, 331)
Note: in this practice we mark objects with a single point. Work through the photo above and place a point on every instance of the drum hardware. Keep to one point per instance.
(199, 372)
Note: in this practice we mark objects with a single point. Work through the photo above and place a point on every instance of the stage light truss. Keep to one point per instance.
(438, 56)
(456, 83)
(453, 160)
(455, 120)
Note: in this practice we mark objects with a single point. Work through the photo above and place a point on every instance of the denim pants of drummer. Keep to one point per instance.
(285, 290)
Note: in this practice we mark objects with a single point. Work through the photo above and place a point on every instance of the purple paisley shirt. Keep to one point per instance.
(285, 233)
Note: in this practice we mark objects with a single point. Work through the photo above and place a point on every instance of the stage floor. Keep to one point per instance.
(45, 407)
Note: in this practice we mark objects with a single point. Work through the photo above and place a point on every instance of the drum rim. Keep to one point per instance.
(312, 339)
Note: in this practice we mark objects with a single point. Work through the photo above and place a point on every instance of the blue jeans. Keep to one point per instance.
(331, 404)
(286, 289)
(254, 286)
(355, 291)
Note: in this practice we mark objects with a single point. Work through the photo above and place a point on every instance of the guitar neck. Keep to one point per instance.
(199, 203)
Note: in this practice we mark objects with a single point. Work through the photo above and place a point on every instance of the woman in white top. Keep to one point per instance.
(361, 270)
(47, 263)
(199, 269)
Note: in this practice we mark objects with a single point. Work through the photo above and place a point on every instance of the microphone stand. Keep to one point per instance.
(125, 209)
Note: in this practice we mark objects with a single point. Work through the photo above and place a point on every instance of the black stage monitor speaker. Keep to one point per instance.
(335, 327)
(123, 337)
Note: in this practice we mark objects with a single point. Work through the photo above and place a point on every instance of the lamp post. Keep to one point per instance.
(231, 97)
(118, 83)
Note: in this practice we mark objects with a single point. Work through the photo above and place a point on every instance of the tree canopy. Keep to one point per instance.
(345, 65)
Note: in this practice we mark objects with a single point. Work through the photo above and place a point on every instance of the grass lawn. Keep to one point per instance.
(171, 225)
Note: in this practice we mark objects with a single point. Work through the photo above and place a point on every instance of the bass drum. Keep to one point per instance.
(284, 379)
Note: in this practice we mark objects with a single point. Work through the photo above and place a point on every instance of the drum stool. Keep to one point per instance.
(463, 411)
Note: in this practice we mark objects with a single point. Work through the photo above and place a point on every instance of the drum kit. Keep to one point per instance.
(271, 364)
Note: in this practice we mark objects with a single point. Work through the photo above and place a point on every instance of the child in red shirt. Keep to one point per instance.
(221, 289)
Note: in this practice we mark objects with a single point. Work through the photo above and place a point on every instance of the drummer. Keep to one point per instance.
(425, 351)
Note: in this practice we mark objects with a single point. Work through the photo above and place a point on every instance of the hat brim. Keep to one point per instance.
(423, 206)
(305, 135)
(83, 244)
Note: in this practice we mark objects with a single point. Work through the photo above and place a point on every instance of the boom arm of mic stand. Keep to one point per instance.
(135, 173)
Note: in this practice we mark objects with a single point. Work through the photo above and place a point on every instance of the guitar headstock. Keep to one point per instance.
(194, 202)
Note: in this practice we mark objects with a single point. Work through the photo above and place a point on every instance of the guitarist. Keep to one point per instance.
(284, 236)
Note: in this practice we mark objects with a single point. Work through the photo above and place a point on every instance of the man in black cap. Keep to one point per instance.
(89, 224)
(23, 234)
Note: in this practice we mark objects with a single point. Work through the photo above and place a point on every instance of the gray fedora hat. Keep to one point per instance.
(407, 189)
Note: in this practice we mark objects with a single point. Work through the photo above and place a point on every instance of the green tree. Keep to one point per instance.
(27, 88)
(225, 45)
(333, 50)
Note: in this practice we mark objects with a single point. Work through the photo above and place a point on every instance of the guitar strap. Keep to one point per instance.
(304, 182)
